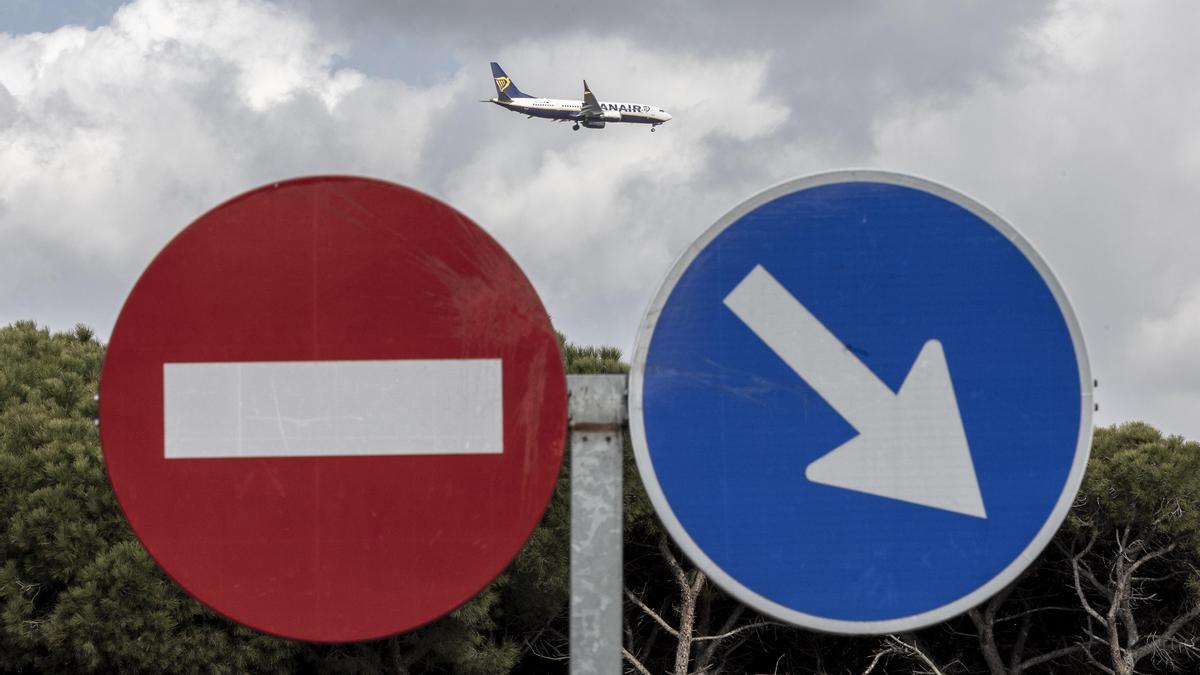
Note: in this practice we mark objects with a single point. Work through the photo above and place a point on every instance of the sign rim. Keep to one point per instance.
(726, 581)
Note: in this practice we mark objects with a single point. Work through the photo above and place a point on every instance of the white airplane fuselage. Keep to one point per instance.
(568, 110)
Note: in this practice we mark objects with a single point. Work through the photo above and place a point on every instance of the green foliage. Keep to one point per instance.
(637, 511)
(581, 360)
(470, 640)
(77, 592)
(1140, 499)
(521, 616)
(121, 614)
(1141, 480)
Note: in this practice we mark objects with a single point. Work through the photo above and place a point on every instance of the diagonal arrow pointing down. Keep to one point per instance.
(910, 445)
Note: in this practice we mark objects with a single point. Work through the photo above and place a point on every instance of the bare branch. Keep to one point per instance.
(559, 653)
(1087, 607)
(733, 647)
(1047, 657)
(1150, 556)
(533, 649)
(637, 665)
(875, 660)
(1014, 658)
(1159, 641)
(1097, 585)
(1110, 622)
(1122, 539)
(651, 613)
(647, 647)
(1124, 596)
(707, 653)
(680, 576)
(986, 633)
(998, 600)
(916, 652)
(740, 629)
(1131, 629)
(1096, 662)
(1035, 610)
(688, 593)
(1153, 580)
(1171, 508)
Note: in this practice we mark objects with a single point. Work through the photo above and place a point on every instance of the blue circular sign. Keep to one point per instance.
(861, 402)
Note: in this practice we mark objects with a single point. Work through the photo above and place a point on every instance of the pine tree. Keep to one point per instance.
(77, 592)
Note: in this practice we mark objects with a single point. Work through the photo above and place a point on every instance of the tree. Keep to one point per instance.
(541, 585)
(699, 606)
(1118, 592)
(1133, 541)
(708, 627)
(520, 623)
(78, 594)
(1013, 640)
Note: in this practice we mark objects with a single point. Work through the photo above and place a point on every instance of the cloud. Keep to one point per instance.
(595, 218)
(1073, 120)
(115, 138)
(1165, 348)
(1091, 150)
(837, 62)
(176, 105)
(8, 107)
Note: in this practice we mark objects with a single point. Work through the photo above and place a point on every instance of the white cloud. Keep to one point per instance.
(1091, 150)
(115, 138)
(1081, 133)
(595, 218)
(1166, 349)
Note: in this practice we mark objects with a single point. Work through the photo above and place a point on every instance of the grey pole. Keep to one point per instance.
(597, 416)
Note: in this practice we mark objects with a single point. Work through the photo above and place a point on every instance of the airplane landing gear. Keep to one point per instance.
(575, 127)
(651, 129)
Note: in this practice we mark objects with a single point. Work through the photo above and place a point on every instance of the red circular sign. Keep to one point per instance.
(333, 409)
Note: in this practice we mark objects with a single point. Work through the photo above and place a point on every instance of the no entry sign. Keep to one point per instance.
(333, 409)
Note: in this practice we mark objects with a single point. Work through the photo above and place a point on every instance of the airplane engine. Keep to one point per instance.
(594, 124)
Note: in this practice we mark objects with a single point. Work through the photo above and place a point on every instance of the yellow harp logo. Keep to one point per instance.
(502, 83)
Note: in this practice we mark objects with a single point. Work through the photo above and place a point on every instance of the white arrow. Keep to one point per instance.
(910, 445)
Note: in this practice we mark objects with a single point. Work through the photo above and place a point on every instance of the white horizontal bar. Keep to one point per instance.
(332, 408)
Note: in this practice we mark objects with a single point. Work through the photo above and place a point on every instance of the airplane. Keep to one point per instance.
(589, 112)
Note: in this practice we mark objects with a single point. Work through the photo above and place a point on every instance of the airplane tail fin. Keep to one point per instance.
(506, 89)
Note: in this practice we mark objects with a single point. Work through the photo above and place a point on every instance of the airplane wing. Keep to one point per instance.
(591, 107)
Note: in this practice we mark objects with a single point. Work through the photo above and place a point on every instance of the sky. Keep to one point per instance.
(122, 122)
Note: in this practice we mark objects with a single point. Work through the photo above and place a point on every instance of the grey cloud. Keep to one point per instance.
(42, 282)
(1093, 157)
(837, 62)
(8, 108)
(133, 132)
(1080, 138)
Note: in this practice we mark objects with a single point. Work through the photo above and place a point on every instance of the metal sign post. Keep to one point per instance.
(597, 415)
